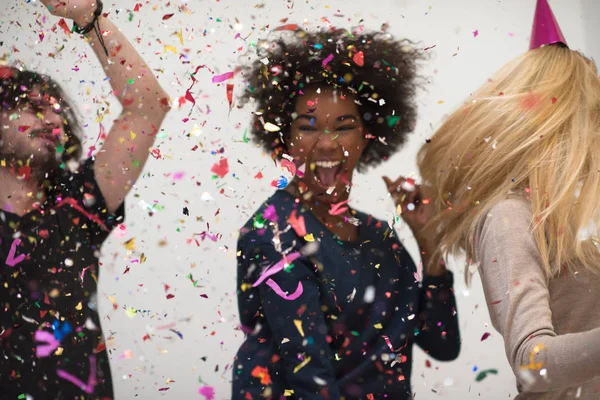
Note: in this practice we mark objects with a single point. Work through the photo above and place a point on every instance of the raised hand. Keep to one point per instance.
(415, 207)
(80, 11)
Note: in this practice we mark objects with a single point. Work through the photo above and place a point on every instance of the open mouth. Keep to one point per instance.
(328, 173)
(48, 136)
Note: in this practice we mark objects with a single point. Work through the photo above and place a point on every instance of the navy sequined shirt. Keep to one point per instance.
(349, 334)
(51, 341)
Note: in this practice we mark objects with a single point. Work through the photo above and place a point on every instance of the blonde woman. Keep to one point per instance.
(514, 176)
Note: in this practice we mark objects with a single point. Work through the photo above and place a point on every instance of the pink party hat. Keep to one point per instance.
(545, 28)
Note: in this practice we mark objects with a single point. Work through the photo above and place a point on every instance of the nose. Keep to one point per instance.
(327, 141)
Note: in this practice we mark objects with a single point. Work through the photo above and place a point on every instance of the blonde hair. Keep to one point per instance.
(532, 130)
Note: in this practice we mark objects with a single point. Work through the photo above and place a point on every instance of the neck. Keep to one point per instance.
(18, 195)
(322, 208)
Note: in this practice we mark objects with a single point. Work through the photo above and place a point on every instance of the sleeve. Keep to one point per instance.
(298, 326)
(516, 290)
(81, 191)
(439, 335)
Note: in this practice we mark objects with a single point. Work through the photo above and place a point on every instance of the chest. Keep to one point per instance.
(50, 263)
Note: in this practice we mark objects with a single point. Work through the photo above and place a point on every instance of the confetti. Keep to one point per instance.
(221, 168)
(484, 374)
(222, 77)
(208, 392)
(277, 289)
(485, 336)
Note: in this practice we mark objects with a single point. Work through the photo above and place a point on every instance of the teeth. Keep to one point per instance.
(327, 164)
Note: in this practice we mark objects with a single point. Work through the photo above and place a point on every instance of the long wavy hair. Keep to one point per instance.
(534, 131)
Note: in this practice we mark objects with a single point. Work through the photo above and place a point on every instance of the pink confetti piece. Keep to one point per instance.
(279, 266)
(476, 33)
(11, 261)
(485, 336)
(222, 77)
(290, 166)
(208, 392)
(327, 60)
(277, 289)
(339, 208)
(91, 383)
(47, 344)
(270, 214)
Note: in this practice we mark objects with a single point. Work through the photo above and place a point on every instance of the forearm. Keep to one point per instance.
(130, 78)
(439, 335)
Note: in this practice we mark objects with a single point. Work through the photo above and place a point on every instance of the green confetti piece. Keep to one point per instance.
(219, 20)
(259, 222)
(131, 81)
(246, 136)
(483, 374)
(22, 395)
(60, 149)
(392, 120)
(136, 163)
(130, 16)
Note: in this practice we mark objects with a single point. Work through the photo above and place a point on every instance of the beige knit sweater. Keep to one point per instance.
(551, 327)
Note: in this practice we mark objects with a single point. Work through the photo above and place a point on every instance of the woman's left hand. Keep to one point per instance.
(80, 11)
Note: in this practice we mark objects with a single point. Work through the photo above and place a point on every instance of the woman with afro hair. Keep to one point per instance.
(330, 301)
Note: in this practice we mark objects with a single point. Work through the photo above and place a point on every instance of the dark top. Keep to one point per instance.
(349, 334)
(51, 341)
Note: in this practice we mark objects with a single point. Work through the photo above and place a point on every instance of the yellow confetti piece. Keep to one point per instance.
(309, 237)
(246, 286)
(130, 244)
(111, 299)
(269, 127)
(130, 312)
(88, 91)
(298, 324)
(288, 392)
(100, 118)
(132, 135)
(440, 101)
(172, 49)
(142, 258)
(378, 326)
(302, 364)
(377, 266)
(59, 351)
(180, 36)
(79, 306)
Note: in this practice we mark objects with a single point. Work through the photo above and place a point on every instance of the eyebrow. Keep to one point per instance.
(313, 118)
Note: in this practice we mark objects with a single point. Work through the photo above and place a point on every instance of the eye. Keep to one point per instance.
(307, 128)
(346, 128)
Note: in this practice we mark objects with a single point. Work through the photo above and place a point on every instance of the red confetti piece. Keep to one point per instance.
(63, 24)
(288, 27)
(221, 168)
(427, 363)
(167, 16)
(263, 374)
(554, 99)
(359, 59)
(259, 175)
(170, 296)
(389, 344)
(297, 224)
(137, 7)
(230, 94)
(485, 336)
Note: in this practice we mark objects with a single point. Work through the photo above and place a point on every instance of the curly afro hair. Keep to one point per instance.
(378, 70)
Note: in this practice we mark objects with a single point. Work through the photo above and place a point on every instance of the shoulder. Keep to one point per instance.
(508, 214)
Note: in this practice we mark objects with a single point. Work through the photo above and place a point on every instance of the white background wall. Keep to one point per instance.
(206, 315)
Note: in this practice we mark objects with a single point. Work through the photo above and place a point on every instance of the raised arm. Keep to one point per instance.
(299, 327)
(144, 103)
(516, 291)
